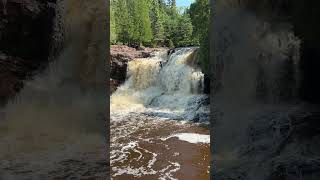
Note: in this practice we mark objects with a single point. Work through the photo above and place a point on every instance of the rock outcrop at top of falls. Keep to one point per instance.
(120, 55)
(26, 29)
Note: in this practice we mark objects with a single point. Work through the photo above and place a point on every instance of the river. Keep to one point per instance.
(159, 120)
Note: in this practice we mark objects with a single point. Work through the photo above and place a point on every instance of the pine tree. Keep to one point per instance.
(200, 15)
(173, 3)
(139, 13)
(157, 19)
(183, 35)
(113, 33)
(146, 31)
(123, 23)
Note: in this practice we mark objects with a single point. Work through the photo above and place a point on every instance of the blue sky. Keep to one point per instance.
(184, 2)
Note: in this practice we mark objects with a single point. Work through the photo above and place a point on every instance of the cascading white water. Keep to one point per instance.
(161, 84)
(158, 91)
(59, 114)
(256, 71)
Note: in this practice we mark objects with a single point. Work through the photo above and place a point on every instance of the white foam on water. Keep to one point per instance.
(190, 137)
(136, 172)
(160, 83)
(147, 169)
(157, 89)
(168, 175)
(122, 155)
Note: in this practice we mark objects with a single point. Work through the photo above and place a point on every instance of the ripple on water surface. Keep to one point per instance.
(146, 147)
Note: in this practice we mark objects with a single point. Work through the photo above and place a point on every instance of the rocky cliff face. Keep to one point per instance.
(120, 56)
(26, 29)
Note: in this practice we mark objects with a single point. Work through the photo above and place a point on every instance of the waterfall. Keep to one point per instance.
(69, 93)
(161, 101)
(256, 71)
(264, 56)
(163, 83)
(60, 112)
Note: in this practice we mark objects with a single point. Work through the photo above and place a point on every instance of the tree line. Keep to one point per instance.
(157, 23)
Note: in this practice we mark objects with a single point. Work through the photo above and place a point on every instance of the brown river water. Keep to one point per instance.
(148, 151)
(154, 134)
(158, 127)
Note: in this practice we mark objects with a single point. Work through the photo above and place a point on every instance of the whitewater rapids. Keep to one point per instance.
(151, 113)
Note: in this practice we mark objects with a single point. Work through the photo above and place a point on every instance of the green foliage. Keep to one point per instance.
(200, 16)
(113, 33)
(160, 23)
(183, 34)
(150, 22)
(141, 30)
(123, 22)
(157, 22)
(169, 43)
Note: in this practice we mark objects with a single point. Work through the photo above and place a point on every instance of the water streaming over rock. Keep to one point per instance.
(60, 112)
(151, 109)
(255, 101)
(162, 83)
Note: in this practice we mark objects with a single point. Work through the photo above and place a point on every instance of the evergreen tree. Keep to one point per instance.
(160, 22)
(113, 33)
(123, 23)
(183, 34)
(200, 15)
(157, 19)
(139, 13)
(173, 4)
(162, 4)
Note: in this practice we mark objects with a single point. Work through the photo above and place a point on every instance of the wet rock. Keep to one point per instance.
(206, 81)
(171, 51)
(119, 66)
(26, 29)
